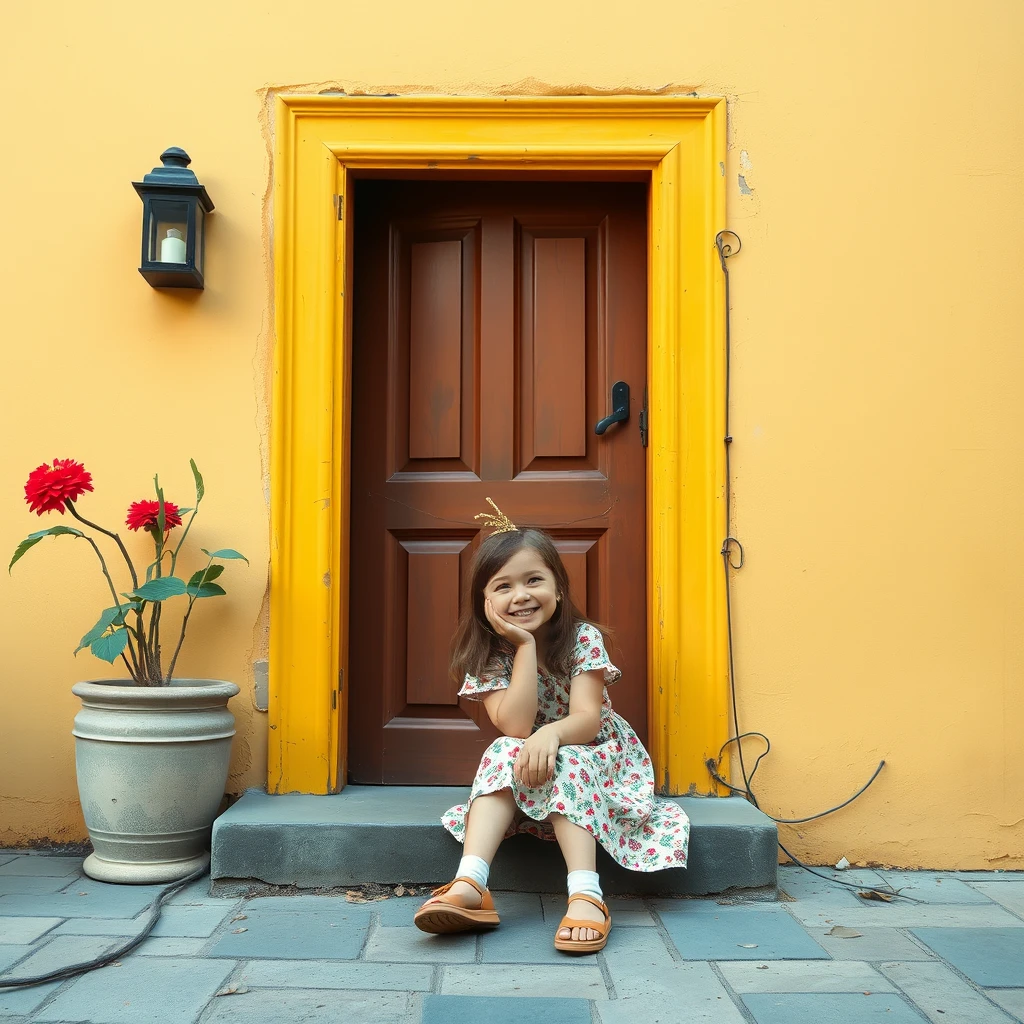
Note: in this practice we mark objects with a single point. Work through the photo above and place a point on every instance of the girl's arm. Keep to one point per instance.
(536, 762)
(514, 710)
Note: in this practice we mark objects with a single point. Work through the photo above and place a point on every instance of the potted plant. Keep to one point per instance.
(151, 750)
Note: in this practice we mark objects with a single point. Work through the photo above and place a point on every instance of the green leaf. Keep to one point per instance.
(205, 575)
(200, 489)
(206, 590)
(34, 538)
(225, 553)
(109, 647)
(184, 511)
(109, 617)
(58, 531)
(161, 589)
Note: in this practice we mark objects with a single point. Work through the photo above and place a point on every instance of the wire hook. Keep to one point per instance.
(727, 546)
(724, 247)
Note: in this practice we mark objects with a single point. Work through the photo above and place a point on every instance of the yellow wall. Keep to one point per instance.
(877, 311)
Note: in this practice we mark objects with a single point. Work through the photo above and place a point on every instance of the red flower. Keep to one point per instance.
(48, 487)
(144, 515)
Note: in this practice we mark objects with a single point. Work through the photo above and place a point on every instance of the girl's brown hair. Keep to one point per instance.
(476, 648)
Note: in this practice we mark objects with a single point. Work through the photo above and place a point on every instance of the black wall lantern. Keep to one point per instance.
(174, 209)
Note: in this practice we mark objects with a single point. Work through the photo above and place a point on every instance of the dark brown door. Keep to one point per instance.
(491, 320)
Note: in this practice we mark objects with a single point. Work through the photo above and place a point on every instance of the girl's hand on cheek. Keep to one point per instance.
(505, 629)
(536, 762)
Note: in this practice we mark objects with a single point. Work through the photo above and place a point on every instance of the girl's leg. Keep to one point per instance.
(486, 825)
(579, 848)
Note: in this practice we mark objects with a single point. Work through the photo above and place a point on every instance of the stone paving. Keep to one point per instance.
(820, 954)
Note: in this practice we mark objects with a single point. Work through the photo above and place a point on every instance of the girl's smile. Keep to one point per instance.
(523, 591)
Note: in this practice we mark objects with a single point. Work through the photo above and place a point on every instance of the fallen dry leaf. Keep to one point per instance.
(356, 897)
(233, 990)
(399, 890)
(874, 894)
(763, 967)
(842, 932)
(747, 945)
(240, 917)
(238, 931)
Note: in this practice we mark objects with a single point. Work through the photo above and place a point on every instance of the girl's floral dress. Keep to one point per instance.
(606, 786)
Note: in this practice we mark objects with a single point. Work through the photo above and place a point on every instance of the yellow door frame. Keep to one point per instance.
(322, 142)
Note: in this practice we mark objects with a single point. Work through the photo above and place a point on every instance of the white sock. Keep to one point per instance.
(586, 882)
(476, 868)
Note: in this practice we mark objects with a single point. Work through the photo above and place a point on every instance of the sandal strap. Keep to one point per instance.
(593, 901)
(441, 890)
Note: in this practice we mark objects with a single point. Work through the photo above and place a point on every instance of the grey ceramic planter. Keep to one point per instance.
(152, 764)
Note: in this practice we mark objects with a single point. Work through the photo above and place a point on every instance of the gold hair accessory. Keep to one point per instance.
(499, 523)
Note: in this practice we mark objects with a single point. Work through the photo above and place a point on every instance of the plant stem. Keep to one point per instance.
(157, 613)
(113, 591)
(181, 640)
(181, 540)
(140, 635)
(70, 506)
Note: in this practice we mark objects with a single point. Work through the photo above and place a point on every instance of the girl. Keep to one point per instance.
(566, 767)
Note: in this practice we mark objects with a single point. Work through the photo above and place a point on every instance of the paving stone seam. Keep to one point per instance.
(1013, 913)
(741, 1006)
(209, 1007)
(606, 974)
(22, 959)
(236, 907)
(906, 999)
(666, 939)
(371, 930)
(436, 979)
(975, 988)
(57, 992)
(953, 970)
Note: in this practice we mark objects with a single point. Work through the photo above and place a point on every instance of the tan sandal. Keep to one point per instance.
(584, 945)
(444, 914)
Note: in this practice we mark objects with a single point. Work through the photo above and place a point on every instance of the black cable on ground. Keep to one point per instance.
(731, 544)
(106, 958)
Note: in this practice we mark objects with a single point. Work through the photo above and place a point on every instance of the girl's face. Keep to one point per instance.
(523, 591)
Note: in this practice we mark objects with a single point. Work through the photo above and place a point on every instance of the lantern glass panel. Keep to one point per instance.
(200, 224)
(167, 234)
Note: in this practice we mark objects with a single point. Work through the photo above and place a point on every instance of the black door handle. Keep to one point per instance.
(620, 407)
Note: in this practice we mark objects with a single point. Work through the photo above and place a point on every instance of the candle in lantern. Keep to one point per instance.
(172, 248)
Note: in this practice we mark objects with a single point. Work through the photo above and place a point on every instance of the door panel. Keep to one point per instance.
(490, 321)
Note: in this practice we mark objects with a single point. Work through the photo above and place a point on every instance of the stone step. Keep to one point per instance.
(392, 834)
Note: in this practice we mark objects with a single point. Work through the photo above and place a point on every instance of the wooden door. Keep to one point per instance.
(491, 320)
